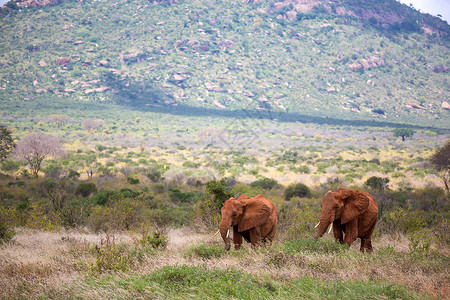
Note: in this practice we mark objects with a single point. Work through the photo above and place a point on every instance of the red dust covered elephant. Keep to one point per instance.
(254, 219)
(351, 212)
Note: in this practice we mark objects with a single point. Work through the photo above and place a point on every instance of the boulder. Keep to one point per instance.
(63, 61)
(445, 105)
(103, 63)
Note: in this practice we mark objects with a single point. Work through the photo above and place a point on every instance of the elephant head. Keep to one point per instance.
(344, 205)
(243, 214)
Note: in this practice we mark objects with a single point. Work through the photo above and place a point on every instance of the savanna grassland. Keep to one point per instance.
(131, 207)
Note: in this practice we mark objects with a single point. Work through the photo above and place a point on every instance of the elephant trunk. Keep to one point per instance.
(324, 223)
(224, 229)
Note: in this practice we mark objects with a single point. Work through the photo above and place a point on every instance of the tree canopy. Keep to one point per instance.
(6, 143)
(404, 133)
(441, 162)
(35, 147)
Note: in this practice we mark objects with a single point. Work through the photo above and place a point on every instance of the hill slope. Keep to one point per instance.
(342, 59)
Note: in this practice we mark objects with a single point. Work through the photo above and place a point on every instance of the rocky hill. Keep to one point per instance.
(335, 58)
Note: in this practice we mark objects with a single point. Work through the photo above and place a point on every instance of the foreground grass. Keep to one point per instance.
(59, 266)
(181, 282)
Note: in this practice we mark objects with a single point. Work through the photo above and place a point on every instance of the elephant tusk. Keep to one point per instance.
(216, 233)
(317, 225)
(331, 227)
(228, 233)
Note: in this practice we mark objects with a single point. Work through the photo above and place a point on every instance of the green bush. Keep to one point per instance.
(110, 258)
(377, 183)
(86, 189)
(219, 190)
(298, 189)
(132, 180)
(157, 240)
(265, 183)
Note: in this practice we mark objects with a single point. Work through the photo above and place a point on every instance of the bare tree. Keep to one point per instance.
(441, 162)
(59, 120)
(92, 125)
(35, 147)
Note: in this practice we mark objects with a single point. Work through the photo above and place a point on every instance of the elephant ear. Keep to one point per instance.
(243, 197)
(355, 204)
(256, 213)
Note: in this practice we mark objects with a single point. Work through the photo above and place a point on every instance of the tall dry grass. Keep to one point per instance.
(54, 265)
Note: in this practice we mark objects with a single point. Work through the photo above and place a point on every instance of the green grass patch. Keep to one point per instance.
(205, 251)
(181, 282)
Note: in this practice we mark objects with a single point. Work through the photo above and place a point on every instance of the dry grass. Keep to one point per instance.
(39, 263)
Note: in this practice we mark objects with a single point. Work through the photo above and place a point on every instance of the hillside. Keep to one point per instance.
(365, 60)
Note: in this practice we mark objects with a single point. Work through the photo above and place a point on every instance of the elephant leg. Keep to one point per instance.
(338, 231)
(255, 235)
(351, 232)
(367, 246)
(237, 238)
(366, 242)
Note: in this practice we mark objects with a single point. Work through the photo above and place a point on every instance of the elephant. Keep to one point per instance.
(254, 219)
(351, 212)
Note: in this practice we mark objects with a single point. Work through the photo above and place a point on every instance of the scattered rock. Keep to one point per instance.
(217, 104)
(445, 105)
(101, 89)
(215, 88)
(42, 63)
(79, 42)
(417, 106)
(103, 63)
(27, 3)
(63, 61)
(370, 82)
(441, 69)
(178, 78)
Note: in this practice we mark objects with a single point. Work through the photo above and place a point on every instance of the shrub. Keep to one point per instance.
(154, 174)
(402, 221)
(86, 189)
(157, 240)
(265, 183)
(132, 180)
(110, 257)
(219, 190)
(377, 183)
(74, 174)
(298, 189)
(7, 216)
(298, 219)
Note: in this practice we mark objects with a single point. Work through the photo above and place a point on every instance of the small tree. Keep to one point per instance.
(59, 120)
(377, 183)
(36, 147)
(298, 189)
(92, 125)
(404, 133)
(441, 162)
(6, 143)
(219, 190)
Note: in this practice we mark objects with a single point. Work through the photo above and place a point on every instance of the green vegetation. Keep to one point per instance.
(165, 110)
(403, 133)
(162, 55)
